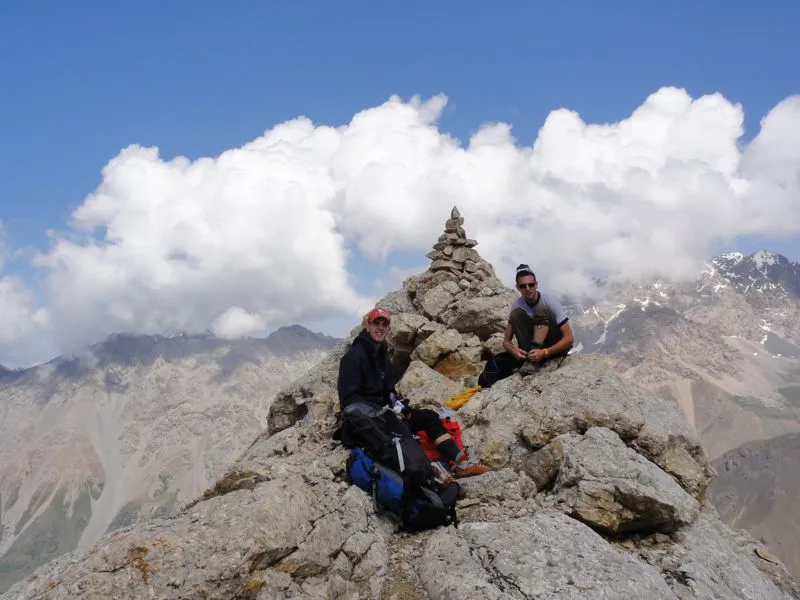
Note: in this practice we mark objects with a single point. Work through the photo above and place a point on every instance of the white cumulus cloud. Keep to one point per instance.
(264, 234)
(237, 322)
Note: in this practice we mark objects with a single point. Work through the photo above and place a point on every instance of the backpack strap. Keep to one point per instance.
(375, 504)
(400, 460)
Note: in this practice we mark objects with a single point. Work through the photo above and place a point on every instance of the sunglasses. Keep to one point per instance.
(527, 286)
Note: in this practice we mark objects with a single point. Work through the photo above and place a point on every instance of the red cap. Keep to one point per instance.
(378, 312)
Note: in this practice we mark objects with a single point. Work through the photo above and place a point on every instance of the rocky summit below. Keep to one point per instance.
(598, 488)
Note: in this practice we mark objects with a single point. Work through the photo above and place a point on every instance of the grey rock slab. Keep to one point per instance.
(464, 254)
(494, 344)
(498, 486)
(583, 393)
(776, 571)
(216, 549)
(546, 555)
(398, 301)
(543, 465)
(317, 386)
(404, 329)
(425, 387)
(437, 345)
(611, 487)
(707, 563)
(481, 315)
(435, 300)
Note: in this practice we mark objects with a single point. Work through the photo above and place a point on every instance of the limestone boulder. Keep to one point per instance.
(463, 365)
(398, 301)
(425, 387)
(427, 330)
(313, 397)
(493, 344)
(434, 301)
(562, 559)
(527, 413)
(543, 465)
(704, 561)
(614, 489)
(230, 546)
(503, 485)
(438, 345)
(403, 334)
(480, 315)
(417, 286)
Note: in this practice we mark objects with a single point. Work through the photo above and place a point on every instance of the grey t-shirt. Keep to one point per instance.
(547, 303)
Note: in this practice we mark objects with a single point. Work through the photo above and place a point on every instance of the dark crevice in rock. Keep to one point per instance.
(486, 559)
(232, 481)
(267, 558)
(677, 576)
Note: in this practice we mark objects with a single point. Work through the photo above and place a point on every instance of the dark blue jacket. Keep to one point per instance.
(365, 373)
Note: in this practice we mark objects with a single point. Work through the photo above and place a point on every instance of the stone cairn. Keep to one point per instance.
(454, 253)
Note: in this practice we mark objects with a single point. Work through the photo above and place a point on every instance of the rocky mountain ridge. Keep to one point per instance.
(723, 346)
(597, 489)
(133, 428)
(757, 488)
(761, 272)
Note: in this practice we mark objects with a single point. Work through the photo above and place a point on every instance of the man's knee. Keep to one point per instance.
(424, 417)
(520, 318)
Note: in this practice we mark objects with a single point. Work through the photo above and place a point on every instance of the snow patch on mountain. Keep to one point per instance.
(763, 258)
(595, 311)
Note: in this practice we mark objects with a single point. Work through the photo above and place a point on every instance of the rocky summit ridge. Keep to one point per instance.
(598, 488)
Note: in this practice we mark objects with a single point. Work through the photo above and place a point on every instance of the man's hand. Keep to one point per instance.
(537, 355)
(520, 353)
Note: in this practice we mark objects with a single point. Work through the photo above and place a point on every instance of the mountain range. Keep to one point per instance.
(725, 346)
(133, 428)
(139, 425)
(597, 486)
(756, 489)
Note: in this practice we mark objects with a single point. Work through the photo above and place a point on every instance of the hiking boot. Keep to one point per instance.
(464, 466)
(529, 368)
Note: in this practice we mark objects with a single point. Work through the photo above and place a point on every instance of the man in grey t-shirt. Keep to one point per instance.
(541, 328)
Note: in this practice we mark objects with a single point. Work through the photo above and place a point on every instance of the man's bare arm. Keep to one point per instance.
(509, 346)
(564, 343)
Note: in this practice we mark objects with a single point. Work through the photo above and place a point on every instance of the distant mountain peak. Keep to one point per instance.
(296, 338)
(761, 271)
(732, 257)
(764, 258)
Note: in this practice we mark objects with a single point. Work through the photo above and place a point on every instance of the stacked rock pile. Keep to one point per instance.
(453, 252)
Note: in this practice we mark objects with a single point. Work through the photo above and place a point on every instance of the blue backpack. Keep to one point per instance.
(414, 504)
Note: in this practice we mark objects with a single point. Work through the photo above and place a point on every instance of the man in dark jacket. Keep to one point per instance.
(366, 383)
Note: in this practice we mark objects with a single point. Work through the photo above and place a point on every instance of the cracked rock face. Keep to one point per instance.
(520, 414)
(547, 555)
(610, 487)
(597, 490)
(275, 539)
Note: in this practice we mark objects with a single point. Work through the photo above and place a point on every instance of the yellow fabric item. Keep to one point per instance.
(461, 398)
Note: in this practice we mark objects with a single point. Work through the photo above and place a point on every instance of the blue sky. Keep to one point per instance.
(80, 81)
